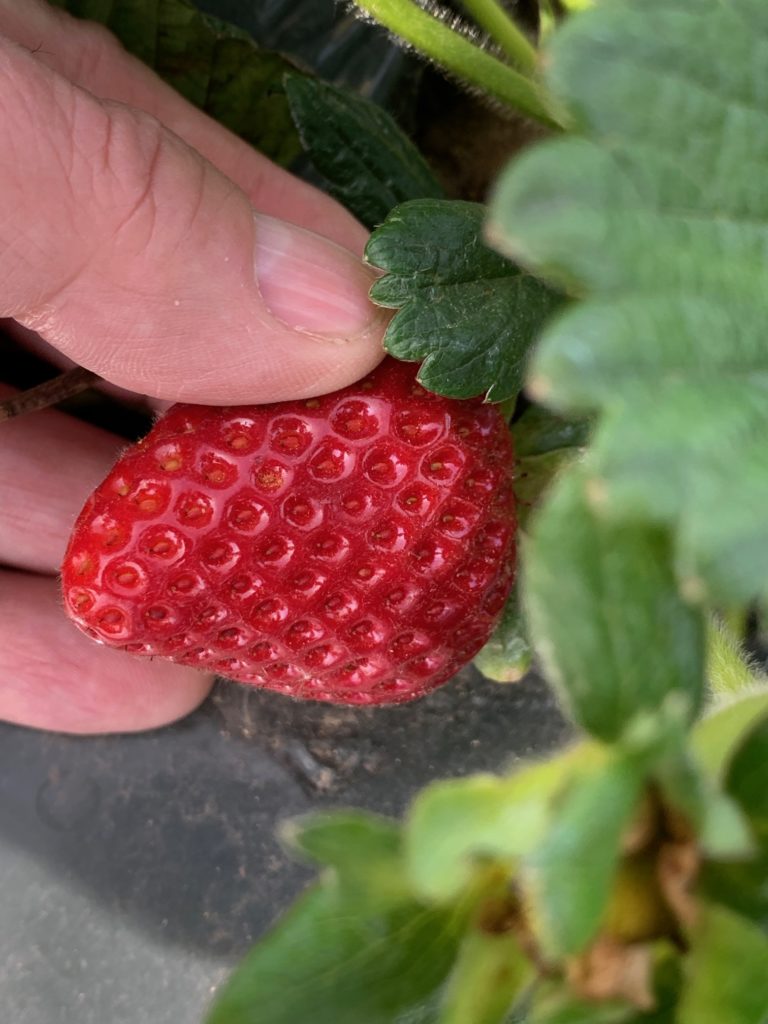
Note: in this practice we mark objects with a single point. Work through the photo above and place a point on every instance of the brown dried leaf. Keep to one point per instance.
(611, 970)
(678, 868)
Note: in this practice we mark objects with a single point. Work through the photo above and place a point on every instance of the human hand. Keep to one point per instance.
(130, 241)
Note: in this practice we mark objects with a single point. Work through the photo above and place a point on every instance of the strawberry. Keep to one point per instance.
(354, 548)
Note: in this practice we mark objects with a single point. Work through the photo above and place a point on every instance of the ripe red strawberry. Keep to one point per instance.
(354, 548)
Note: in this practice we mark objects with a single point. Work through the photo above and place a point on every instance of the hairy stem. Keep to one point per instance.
(456, 54)
(66, 385)
(491, 16)
(730, 671)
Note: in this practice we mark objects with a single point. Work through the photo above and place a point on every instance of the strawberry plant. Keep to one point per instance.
(611, 296)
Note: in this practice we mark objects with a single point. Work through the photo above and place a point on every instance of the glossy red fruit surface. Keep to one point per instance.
(354, 548)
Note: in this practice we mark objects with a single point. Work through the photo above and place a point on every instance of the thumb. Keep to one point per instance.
(136, 258)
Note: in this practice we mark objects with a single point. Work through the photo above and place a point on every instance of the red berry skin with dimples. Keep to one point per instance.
(354, 548)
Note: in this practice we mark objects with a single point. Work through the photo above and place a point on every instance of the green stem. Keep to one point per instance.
(729, 670)
(548, 17)
(491, 16)
(462, 58)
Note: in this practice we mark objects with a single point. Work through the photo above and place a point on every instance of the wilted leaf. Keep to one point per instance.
(609, 970)
(555, 1003)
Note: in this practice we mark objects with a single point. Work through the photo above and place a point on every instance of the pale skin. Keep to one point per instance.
(132, 243)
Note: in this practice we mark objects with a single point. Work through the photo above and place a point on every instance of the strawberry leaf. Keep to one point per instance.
(741, 885)
(490, 973)
(341, 839)
(717, 737)
(568, 877)
(331, 962)
(369, 163)
(467, 312)
(216, 66)
(727, 970)
(358, 946)
(605, 614)
(733, 744)
(655, 213)
(539, 432)
(555, 1004)
(543, 445)
(501, 819)
(534, 475)
(747, 779)
(364, 850)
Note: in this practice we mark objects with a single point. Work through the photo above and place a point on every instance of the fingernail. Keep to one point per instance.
(309, 283)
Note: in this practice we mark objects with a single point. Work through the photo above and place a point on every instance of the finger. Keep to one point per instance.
(53, 677)
(92, 58)
(49, 464)
(138, 260)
